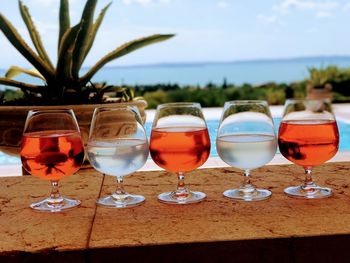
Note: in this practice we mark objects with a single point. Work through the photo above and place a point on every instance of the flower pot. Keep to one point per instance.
(319, 92)
(12, 120)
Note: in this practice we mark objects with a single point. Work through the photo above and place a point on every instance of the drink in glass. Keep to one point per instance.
(52, 149)
(246, 140)
(180, 143)
(308, 136)
(185, 147)
(118, 147)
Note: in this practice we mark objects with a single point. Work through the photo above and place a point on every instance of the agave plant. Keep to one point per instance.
(61, 82)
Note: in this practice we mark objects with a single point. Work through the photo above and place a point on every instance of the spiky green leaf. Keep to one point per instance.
(64, 20)
(138, 98)
(126, 96)
(122, 51)
(64, 61)
(15, 71)
(17, 41)
(34, 34)
(22, 86)
(82, 39)
(93, 32)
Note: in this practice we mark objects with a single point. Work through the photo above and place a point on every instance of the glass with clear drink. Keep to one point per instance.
(246, 140)
(118, 147)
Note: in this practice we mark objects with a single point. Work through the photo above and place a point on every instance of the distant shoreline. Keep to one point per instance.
(241, 61)
(256, 72)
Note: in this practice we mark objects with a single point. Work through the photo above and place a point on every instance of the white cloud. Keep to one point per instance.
(145, 2)
(272, 19)
(323, 14)
(288, 5)
(346, 7)
(47, 3)
(222, 4)
(45, 28)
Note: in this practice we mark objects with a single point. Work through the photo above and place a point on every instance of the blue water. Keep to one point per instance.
(344, 130)
(239, 72)
(253, 72)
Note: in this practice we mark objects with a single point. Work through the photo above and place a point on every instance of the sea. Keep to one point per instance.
(236, 72)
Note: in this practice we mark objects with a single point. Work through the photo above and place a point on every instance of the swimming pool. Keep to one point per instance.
(344, 129)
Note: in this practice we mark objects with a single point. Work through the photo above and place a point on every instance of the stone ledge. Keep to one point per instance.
(215, 230)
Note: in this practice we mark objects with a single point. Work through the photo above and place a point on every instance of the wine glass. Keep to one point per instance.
(180, 143)
(52, 149)
(118, 146)
(246, 140)
(308, 136)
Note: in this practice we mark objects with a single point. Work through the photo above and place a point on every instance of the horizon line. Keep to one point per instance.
(213, 62)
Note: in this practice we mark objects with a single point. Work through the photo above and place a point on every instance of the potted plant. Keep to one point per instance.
(62, 83)
(318, 85)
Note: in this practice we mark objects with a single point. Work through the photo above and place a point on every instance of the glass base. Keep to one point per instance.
(190, 198)
(51, 205)
(308, 192)
(241, 195)
(124, 201)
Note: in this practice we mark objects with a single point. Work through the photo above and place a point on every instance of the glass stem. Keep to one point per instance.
(308, 183)
(119, 195)
(246, 181)
(55, 196)
(247, 187)
(181, 191)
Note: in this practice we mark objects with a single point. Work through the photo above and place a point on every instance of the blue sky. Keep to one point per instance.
(207, 30)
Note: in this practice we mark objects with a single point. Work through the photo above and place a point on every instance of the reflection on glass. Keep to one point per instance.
(246, 140)
(118, 147)
(52, 149)
(180, 143)
(308, 136)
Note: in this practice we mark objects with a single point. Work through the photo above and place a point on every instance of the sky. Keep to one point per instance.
(206, 30)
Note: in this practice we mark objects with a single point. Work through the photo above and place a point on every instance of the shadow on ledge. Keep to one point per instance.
(332, 248)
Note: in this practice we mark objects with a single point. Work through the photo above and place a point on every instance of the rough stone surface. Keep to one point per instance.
(279, 229)
(22, 229)
(219, 219)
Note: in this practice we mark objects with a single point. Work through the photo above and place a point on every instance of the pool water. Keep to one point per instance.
(344, 130)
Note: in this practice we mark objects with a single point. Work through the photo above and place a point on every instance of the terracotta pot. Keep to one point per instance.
(12, 119)
(319, 92)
